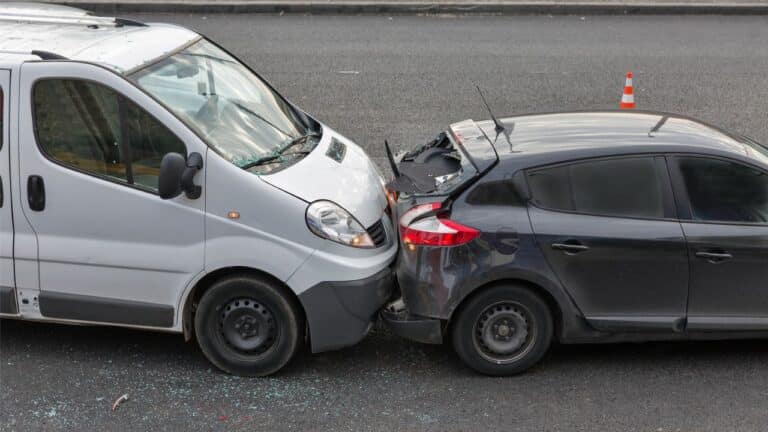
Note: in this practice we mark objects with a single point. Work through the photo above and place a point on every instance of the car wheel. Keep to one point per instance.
(503, 330)
(246, 326)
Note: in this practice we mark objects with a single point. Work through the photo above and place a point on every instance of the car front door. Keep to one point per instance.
(109, 248)
(724, 208)
(7, 279)
(608, 230)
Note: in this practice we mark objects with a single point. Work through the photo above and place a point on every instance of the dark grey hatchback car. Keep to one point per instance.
(579, 227)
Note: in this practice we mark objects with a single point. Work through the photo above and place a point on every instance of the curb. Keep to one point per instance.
(411, 8)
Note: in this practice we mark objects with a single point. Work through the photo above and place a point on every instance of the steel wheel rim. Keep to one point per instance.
(247, 326)
(504, 332)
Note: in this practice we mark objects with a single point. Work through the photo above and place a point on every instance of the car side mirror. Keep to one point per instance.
(177, 175)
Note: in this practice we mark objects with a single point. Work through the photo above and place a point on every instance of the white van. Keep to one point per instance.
(149, 179)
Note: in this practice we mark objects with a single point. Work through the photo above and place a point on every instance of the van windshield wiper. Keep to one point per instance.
(271, 158)
(257, 115)
(298, 140)
(281, 153)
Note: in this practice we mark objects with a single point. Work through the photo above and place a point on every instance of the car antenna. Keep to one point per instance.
(391, 159)
(657, 126)
(499, 126)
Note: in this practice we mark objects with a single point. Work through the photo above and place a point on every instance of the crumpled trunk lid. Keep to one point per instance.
(446, 164)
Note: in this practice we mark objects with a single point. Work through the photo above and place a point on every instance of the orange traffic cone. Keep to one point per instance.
(628, 99)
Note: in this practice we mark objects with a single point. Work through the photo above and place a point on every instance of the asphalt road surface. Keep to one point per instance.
(405, 79)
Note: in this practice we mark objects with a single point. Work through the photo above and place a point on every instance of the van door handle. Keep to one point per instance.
(570, 247)
(714, 257)
(36, 193)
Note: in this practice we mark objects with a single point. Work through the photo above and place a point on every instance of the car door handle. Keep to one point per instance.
(714, 257)
(36, 193)
(570, 247)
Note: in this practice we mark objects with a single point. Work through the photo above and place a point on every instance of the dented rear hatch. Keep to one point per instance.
(447, 164)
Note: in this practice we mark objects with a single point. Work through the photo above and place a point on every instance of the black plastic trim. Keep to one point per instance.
(415, 328)
(120, 22)
(47, 55)
(637, 323)
(8, 300)
(106, 310)
(340, 313)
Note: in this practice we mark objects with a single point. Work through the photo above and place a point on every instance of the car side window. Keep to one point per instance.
(621, 187)
(494, 193)
(2, 100)
(724, 191)
(92, 128)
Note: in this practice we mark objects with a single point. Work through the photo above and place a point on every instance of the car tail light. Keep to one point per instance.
(422, 225)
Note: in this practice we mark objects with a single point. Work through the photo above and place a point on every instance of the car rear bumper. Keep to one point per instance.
(416, 328)
(340, 313)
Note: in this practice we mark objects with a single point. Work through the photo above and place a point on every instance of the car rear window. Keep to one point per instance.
(624, 187)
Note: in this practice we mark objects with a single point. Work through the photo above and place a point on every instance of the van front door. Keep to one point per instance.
(7, 279)
(110, 249)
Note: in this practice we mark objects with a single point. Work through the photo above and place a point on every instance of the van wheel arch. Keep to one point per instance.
(549, 299)
(188, 317)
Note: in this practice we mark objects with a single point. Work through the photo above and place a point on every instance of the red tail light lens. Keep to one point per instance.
(433, 230)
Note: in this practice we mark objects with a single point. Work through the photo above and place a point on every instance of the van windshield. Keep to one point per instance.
(234, 111)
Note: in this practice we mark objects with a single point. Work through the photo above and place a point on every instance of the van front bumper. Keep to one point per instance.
(341, 313)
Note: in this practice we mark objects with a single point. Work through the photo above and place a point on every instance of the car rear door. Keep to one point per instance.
(109, 248)
(7, 279)
(724, 208)
(608, 230)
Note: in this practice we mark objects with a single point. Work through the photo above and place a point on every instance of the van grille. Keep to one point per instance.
(378, 233)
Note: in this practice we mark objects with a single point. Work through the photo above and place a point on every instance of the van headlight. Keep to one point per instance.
(329, 221)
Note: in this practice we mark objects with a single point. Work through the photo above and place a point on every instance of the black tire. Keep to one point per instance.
(502, 330)
(246, 326)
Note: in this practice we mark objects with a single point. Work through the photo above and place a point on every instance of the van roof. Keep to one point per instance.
(78, 35)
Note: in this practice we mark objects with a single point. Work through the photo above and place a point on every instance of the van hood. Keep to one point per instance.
(336, 170)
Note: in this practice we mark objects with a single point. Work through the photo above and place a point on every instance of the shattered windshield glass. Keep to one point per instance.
(235, 112)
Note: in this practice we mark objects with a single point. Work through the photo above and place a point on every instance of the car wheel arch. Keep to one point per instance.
(205, 282)
(554, 306)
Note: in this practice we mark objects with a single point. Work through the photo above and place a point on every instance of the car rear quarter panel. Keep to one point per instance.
(435, 281)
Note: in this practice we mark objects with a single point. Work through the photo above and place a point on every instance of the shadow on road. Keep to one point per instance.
(51, 341)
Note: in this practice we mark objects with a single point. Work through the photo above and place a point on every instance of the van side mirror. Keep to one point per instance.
(177, 175)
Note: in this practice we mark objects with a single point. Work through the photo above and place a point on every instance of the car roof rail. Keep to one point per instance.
(44, 55)
(85, 20)
(120, 22)
(47, 55)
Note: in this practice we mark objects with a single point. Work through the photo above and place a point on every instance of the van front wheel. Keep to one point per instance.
(246, 326)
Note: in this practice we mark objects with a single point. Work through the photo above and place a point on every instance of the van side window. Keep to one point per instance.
(625, 187)
(92, 128)
(2, 134)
